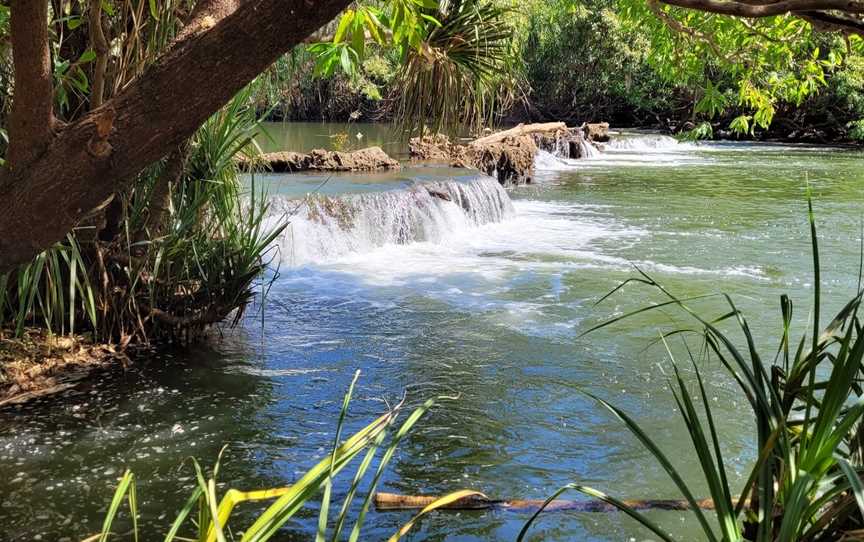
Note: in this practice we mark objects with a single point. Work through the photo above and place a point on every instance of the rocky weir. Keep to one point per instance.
(368, 159)
(509, 155)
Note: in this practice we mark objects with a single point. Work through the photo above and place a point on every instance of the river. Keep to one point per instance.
(485, 297)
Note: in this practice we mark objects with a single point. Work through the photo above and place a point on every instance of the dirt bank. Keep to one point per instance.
(38, 364)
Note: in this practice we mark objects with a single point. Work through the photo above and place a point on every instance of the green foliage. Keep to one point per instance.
(765, 62)
(455, 59)
(807, 404)
(582, 63)
(703, 130)
(856, 130)
(454, 77)
(55, 286)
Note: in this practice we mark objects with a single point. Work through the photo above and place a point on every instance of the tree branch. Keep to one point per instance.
(205, 14)
(677, 26)
(95, 156)
(830, 22)
(31, 120)
(753, 10)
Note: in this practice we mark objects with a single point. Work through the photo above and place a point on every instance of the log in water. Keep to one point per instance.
(393, 501)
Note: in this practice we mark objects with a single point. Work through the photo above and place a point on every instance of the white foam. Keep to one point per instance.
(648, 143)
(540, 236)
(323, 228)
(546, 161)
(625, 150)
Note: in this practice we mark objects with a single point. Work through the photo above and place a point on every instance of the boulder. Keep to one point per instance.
(510, 160)
(598, 131)
(437, 148)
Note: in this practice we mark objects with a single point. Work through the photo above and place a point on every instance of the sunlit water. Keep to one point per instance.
(484, 296)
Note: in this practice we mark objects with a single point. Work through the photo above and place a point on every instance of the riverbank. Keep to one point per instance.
(38, 363)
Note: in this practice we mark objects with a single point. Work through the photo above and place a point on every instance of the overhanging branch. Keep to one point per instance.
(767, 9)
(92, 158)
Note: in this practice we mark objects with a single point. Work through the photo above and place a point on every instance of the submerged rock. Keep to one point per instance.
(368, 159)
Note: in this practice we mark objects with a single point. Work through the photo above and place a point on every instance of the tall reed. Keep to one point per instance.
(207, 517)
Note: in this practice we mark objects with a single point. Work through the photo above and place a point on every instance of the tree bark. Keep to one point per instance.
(522, 129)
(393, 501)
(32, 118)
(827, 15)
(160, 198)
(227, 44)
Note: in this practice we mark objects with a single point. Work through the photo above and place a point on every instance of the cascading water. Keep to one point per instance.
(624, 149)
(586, 149)
(322, 228)
(647, 142)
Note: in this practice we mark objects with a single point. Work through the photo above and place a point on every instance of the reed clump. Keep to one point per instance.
(177, 252)
(807, 404)
(207, 517)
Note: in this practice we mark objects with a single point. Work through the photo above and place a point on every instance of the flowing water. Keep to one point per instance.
(434, 282)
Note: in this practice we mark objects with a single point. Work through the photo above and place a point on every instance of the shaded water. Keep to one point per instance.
(487, 300)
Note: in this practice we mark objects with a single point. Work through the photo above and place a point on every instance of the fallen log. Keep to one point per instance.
(392, 502)
(521, 130)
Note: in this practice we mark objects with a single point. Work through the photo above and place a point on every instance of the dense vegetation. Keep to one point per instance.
(630, 63)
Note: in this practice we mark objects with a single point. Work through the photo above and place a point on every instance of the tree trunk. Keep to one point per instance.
(32, 118)
(55, 177)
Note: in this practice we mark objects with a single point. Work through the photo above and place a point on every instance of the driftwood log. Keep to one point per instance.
(521, 130)
(392, 501)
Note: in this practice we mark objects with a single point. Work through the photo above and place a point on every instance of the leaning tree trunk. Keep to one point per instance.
(56, 173)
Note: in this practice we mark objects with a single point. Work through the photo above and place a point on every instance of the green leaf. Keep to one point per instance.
(344, 23)
(88, 56)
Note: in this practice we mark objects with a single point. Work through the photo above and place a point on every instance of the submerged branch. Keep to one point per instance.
(392, 501)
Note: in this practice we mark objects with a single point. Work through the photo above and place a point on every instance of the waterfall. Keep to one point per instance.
(570, 143)
(322, 228)
(647, 143)
(586, 149)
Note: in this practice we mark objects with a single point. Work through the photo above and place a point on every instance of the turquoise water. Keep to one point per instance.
(486, 299)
